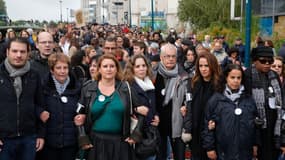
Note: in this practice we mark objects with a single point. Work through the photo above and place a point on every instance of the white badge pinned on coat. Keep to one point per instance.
(101, 98)
(163, 92)
(238, 111)
(64, 99)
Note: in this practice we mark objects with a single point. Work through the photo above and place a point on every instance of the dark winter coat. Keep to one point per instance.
(60, 128)
(40, 65)
(20, 119)
(193, 121)
(268, 143)
(234, 135)
(146, 98)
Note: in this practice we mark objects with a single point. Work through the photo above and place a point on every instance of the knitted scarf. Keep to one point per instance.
(145, 84)
(170, 77)
(16, 74)
(233, 96)
(60, 88)
(261, 99)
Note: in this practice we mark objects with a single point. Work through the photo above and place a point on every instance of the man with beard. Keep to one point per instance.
(20, 97)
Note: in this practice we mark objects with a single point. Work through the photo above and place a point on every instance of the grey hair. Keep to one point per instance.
(166, 47)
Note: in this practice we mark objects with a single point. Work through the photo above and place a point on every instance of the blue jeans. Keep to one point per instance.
(151, 158)
(18, 148)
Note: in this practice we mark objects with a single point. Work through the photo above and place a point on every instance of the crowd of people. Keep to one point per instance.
(74, 89)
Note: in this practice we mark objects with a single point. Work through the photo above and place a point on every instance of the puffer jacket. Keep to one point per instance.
(60, 128)
(234, 135)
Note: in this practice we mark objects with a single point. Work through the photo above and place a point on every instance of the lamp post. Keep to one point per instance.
(152, 15)
(103, 11)
(60, 4)
(130, 10)
(247, 32)
(67, 15)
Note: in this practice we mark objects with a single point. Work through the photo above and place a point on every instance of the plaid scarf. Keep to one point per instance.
(233, 96)
(60, 88)
(260, 93)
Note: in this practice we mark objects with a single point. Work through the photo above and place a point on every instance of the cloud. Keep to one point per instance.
(39, 9)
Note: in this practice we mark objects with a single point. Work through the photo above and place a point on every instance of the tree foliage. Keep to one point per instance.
(203, 13)
(3, 9)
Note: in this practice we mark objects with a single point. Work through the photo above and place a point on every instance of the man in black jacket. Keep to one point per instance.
(45, 45)
(20, 98)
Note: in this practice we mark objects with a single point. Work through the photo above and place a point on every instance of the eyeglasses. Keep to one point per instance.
(265, 61)
(169, 56)
(46, 42)
(274, 66)
(110, 48)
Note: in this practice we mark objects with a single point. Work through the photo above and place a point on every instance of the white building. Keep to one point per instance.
(165, 12)
(118, 12)
(89, 10)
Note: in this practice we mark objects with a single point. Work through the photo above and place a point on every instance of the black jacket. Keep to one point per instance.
(20, 119)
(146, 98)
(193, 121)
(234, 135)
(40, 64)
(60, 128)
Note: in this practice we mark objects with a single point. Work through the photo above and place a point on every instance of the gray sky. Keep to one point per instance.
(39, 9)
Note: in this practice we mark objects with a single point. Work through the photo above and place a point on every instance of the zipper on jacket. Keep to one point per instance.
(18, 117)
(238, 131)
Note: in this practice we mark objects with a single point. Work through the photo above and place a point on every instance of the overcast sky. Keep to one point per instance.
(39, 9)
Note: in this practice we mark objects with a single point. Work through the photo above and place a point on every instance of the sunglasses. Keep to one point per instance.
(265, 61)
(274, 66)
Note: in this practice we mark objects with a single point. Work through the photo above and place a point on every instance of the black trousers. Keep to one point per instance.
(178, 148)
(65, 153)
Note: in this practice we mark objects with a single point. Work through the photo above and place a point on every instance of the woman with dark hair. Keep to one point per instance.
(138, 73)
(232, 58)
(24, 34)
(278, 67)
(229, 125)
(108, 107)
(79, 66)
(189, 64)
(74, 47)
(269, 43)
(93, 66)
(203, 85)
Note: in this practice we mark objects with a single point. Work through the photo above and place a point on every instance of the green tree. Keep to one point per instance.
(203, 13)
(3, 9)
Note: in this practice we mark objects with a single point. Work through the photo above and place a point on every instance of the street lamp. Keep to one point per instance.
(60, 4)
(130, 10)
(103, 12)
(67, 15)
(152, 15)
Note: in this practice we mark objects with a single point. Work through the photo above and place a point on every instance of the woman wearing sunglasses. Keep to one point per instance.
(264, 86)
(278, 67)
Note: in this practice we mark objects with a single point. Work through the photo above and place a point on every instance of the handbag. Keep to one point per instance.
(149, 146)
(134, 120)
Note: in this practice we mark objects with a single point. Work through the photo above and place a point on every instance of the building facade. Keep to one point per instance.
(272, 16)
(89, 10)
(136, 12)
